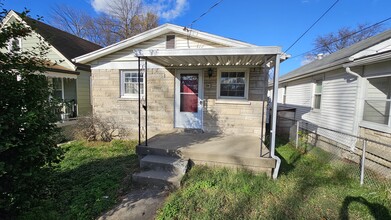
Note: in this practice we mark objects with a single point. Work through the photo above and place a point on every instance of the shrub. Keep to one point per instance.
(93, 128)
(28, 135)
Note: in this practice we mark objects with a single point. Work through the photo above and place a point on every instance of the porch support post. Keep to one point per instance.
(139, 103)
(146, 101)
(274, 117)
(263, 126)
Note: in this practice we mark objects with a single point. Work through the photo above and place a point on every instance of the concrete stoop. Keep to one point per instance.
(161, 170)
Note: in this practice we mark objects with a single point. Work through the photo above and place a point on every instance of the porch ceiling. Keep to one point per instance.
(247, 56)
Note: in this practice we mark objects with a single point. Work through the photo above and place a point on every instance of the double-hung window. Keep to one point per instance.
(318, 94)
(233, 84)
(377, 104)
(130, 83)
(15, 45)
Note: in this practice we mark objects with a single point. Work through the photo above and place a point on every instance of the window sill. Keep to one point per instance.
(315, 111)
(129, 98)
(233, 102)
(375, 126)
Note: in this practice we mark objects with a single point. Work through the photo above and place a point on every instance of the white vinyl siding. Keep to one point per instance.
(181, 42)
(339, 96)
(84, 93)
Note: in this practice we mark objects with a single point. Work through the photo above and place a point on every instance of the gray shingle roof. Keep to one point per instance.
(337, 58)
(67, 44)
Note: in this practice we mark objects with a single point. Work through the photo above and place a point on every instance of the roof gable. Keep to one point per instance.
(156, 32)
(338, 58)
(68, 45)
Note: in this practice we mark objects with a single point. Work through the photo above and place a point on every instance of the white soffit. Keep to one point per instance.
(249, 56)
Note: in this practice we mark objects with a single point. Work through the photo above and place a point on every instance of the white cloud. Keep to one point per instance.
(170, 9)
(100, 5)
(166, 9)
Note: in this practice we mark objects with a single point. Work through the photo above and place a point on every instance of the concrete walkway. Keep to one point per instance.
(140, 204)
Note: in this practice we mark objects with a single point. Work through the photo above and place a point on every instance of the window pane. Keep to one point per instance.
(318, 87)
(377, 111)
(317, 101)
(232, 84)
(130, 83)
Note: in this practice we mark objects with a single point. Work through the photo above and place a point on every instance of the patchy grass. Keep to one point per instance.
(89, 181)
(310, 186)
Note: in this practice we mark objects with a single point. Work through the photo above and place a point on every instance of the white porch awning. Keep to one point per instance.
(208, 57)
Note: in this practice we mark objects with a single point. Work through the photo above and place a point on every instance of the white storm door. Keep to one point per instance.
(188, 99)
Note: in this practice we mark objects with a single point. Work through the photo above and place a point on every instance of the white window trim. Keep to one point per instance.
(10, 44)
(374, 125)
(247, 84)
(122, 87)
(314, 93)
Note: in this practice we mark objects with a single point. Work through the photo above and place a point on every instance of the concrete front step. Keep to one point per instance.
(164, 163)
(161, 170)
(160, 178)
(146, 150)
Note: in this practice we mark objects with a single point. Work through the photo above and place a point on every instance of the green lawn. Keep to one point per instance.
(310, 186)
(89, 181)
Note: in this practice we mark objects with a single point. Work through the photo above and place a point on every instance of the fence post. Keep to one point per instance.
(363, 162)
(297, 133)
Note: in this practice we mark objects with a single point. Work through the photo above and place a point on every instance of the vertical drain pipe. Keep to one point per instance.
(274, 117)
(146, 100)
(139, 103)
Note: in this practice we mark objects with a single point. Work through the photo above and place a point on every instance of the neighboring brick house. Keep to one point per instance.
(348, 92)
(70, 80)
(192, 80)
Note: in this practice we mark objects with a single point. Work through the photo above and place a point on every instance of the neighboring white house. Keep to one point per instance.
(349, 92)
(70, 81)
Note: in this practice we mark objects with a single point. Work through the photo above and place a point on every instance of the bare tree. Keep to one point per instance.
(344, 37)
(123, 19)
(70, 19)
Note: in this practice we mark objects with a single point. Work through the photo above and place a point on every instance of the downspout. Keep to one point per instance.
(358, 102)
(274, 117)
(348, 70)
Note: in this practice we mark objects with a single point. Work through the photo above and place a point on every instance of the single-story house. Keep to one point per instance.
(195, 80)
(184, 78)
(70, 80)
(346, 95)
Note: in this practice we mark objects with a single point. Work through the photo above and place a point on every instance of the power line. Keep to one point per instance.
(312, 25)
(202, 15)
(347, 36)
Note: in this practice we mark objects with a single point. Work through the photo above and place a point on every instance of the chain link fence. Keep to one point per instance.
(367, 160)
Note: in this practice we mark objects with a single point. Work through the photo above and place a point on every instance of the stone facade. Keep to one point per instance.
(232, 117)
(107, 102)
(229, 117)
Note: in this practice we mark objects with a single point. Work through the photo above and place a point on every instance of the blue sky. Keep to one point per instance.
(260, 22)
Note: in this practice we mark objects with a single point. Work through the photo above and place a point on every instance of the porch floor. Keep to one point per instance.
(236, 151)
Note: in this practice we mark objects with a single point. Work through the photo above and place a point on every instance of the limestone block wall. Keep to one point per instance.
(222, 116)
(235, 117)
(107, 102)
